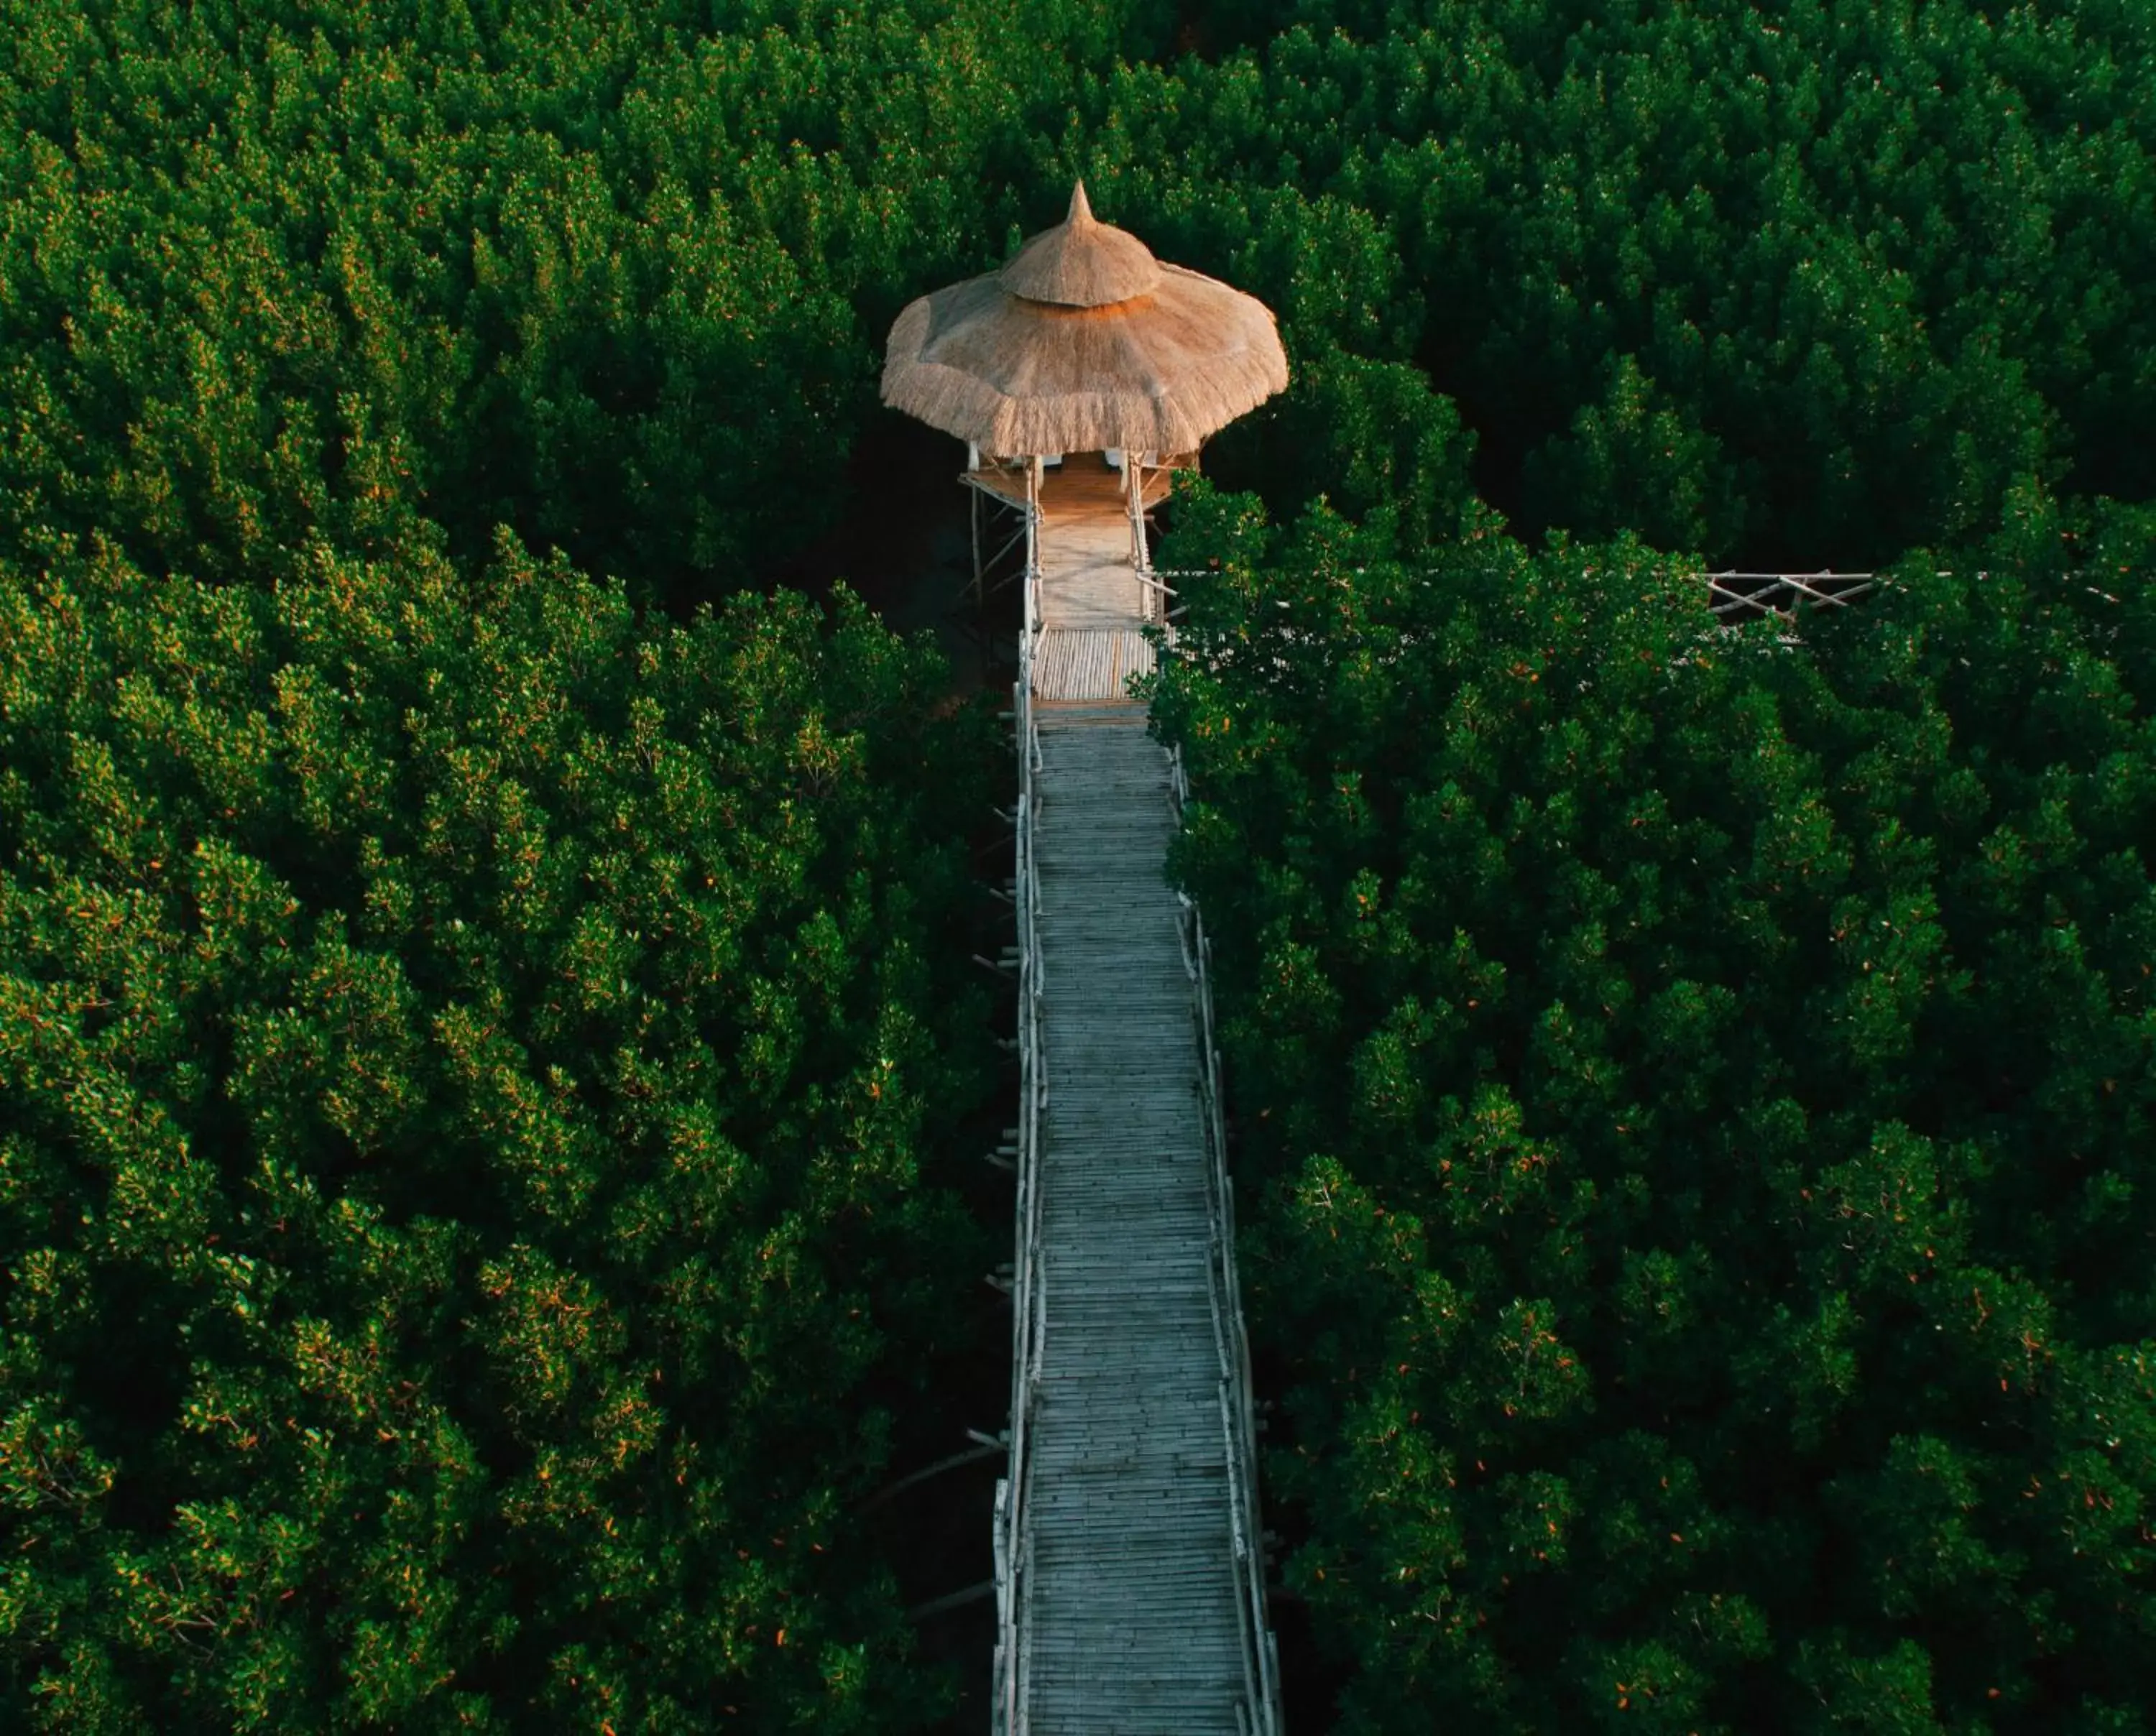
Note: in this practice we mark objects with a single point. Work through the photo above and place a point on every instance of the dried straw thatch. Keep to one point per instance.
(1081, 262)
(1083, 342)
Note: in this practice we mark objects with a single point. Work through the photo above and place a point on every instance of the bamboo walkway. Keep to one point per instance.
(1129, 1577)
(1092, 605)
(1087, 665)
(1087, 581)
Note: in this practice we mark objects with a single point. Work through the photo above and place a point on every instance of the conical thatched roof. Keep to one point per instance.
(1082, 342)
(1081, 262)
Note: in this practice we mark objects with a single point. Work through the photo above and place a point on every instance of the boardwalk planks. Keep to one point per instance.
(1133, 1592)
(1095, 665)
(1129, 1601)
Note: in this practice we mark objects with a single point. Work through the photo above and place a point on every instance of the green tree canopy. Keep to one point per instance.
(472, 1071)
(1695, 1092)
(616, 275)
(619, 276)
(1786, 284)
(473, 1059)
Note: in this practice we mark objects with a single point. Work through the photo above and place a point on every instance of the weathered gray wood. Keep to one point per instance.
(1132, 1619)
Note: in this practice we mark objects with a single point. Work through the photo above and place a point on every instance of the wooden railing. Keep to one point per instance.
(1152, 594)
(1729, 593)
(1725, 592)
(1237, 1411)
(1014, 1578)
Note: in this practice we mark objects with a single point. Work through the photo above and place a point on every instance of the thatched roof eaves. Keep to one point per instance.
(1155, 373)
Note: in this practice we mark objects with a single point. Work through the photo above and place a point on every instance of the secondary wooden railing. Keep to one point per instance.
(1728, 593)
(1028, 1312)
(1238, 1410)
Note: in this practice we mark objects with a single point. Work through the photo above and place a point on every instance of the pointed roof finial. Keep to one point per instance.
(1082, 262)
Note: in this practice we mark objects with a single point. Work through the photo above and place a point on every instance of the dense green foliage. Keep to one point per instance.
(1699, 1091)
(615, 274)
(474, 1062)
(467, 1065)
(618, 275)
(473, 1065)
(1781, 284)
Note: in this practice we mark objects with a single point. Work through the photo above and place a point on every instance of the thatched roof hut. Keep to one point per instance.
(1083, 342)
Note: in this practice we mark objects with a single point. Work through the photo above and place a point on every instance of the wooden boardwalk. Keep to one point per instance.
(1134, 1590)
(1130, 1588)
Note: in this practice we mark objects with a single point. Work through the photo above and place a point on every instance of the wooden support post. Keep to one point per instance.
(956, 1600)
(986, 1449)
